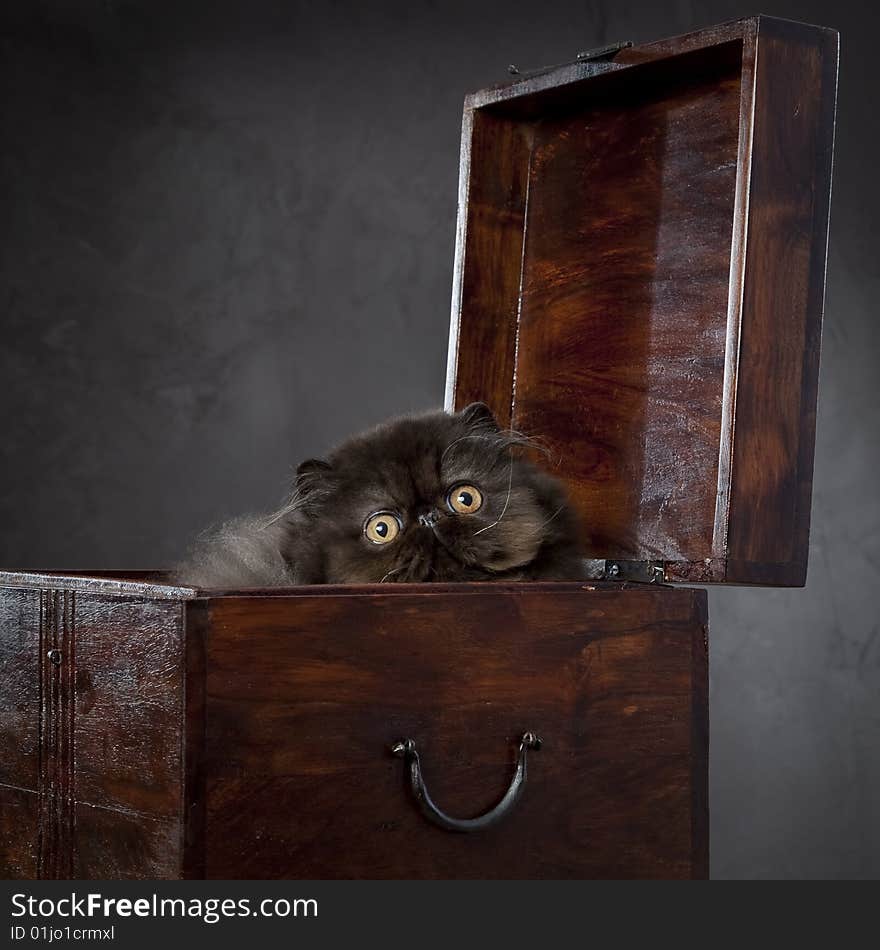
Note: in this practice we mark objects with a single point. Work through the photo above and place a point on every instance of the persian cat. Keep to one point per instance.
(436, 497)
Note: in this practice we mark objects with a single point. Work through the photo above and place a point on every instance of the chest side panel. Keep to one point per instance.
(91, 692)
(305, 698)
(20, 638)
(783, 300)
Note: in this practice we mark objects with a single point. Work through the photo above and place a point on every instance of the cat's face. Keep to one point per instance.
(433, 498)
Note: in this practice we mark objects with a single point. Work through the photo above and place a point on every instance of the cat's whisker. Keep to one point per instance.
(532, 442)
(482, 436)
(274, 518)
(296, 501)
(504, 438)
(396, 570)
(506, 503)
(544, 524)
(287, 509)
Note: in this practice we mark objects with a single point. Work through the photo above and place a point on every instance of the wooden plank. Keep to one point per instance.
(495, 174)
(19, 834)
(20, 687)
(303, 704)
(150, 585)
(772, 467)
(624, 298)
(55, 715)
(129, 700)
(193, 779)
(112, 844)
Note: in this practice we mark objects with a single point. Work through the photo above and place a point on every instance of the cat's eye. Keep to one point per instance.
(464, 499)
(382, 527)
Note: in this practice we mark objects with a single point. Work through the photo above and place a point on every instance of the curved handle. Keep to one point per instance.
(406, 749)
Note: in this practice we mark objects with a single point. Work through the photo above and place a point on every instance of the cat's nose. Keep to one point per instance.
(427, 519)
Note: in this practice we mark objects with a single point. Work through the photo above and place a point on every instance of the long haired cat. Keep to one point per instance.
(437, 497)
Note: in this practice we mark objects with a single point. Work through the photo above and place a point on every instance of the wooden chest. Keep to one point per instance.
(639, 283)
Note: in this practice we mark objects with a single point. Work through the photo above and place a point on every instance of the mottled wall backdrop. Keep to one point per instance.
(227, 237)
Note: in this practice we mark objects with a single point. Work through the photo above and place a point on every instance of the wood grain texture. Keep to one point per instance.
(783, 298)
(92, 739)
(625, 277)
(196, 631)
(491, 284)
(20, 688)
(19, 834)
(112, 844)
(303, 704)
(57, 656)
(94, 583)
(128, 703)
(152, 584)
(637, 285)
(530, 95)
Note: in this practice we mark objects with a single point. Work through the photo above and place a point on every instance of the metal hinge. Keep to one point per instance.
(639, 572)
(603, 52)
(600, 54)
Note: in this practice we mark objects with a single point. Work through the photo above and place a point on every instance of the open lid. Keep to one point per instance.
(639, 283)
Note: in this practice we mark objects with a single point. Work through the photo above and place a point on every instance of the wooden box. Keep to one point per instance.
(639, 283)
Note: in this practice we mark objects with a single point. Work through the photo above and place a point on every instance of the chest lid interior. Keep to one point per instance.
(639, 283)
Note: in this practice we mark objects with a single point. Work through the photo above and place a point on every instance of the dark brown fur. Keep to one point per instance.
(524, 530)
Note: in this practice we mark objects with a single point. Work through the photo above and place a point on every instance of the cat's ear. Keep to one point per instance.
(310, 475)
(479, 416)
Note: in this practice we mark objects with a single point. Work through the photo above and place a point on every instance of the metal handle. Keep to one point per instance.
(406, 749)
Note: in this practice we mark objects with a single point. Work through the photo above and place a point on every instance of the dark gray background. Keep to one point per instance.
(227, 240)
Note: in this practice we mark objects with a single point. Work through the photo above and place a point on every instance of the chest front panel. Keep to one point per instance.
(303, 706)
(249, 736)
